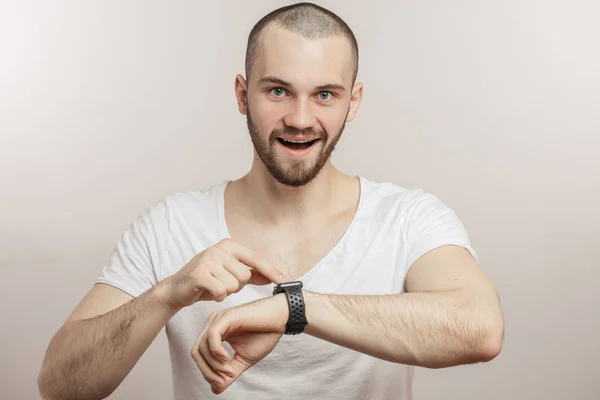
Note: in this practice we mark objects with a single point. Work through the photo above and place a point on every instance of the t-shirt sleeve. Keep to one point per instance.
(431, 224)
(134, 260)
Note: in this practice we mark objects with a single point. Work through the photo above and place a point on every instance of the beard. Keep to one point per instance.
(299, 172)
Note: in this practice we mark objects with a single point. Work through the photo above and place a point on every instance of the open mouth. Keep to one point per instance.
(299, 145)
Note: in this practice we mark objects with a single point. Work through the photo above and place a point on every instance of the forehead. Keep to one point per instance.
(303, 61)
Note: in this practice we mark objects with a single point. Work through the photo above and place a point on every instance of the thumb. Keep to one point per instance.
(240, 365)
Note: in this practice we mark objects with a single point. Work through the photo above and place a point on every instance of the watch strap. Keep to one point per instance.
(297, 313)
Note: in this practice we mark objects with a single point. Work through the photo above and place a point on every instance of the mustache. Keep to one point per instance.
(321, 134)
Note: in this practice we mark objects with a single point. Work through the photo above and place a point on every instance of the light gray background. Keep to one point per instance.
(494, 106)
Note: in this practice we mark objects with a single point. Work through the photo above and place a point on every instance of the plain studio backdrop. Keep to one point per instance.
(106, 107)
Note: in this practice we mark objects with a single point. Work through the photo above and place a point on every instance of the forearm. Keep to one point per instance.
(88, 359)
(429, 329)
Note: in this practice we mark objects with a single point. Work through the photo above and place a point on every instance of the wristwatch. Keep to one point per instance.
(297, 318)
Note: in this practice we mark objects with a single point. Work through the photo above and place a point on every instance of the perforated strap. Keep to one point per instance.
(297, 319)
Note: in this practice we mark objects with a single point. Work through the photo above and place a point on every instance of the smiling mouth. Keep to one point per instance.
(299, 145)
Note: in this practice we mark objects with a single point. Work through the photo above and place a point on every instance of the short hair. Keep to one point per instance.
(309, 20)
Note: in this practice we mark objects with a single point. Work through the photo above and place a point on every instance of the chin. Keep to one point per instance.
(294, 178)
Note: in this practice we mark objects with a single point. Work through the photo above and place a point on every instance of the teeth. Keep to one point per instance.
(294, 141)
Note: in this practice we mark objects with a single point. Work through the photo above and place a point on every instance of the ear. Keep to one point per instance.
(356, 97)
(241, 93)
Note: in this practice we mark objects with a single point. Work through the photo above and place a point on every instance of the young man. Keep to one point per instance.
(295, 281)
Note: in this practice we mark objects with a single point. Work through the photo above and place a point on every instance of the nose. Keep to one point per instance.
(300, 116)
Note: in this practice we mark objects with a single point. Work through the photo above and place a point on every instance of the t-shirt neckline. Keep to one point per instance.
(362, 185)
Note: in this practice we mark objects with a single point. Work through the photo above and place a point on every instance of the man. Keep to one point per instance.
(296, 280)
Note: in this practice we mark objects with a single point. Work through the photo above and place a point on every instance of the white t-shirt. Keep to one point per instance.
(392, 228)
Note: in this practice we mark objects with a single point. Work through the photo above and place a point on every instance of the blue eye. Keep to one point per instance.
(325, 95)
(278, 92)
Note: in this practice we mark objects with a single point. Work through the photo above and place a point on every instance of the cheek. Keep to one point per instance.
(267, 118)
(333, 123)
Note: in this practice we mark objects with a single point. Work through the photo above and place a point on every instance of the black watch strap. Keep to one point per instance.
(297, 317)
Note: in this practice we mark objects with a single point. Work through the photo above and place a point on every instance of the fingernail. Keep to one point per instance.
(214, 387)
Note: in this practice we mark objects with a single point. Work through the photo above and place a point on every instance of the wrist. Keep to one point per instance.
(296, 315)
(280, 306)
(162, 295)
(311, 302)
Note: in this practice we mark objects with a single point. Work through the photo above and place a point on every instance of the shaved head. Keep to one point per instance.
(307, 19)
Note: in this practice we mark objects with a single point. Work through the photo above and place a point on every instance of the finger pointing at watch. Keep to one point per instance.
(219, 271)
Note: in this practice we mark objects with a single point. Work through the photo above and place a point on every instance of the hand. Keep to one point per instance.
(253, 330)
(217, 272)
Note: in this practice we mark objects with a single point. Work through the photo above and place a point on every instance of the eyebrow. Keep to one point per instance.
(277, 81)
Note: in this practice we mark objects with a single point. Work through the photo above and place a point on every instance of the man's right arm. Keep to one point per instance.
(102, 340)
(108, 332)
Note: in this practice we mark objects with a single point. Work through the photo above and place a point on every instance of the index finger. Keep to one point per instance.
(258, 279)
(254, 261)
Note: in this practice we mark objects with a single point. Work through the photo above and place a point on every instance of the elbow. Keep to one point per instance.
(480, 344)
(479, 340)
(45, 388)
(479, 347)
(489, 343)
(43, 382)
(487, 339)
(489, 350)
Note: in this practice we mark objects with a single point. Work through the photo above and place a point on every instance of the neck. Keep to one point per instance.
(277, 204)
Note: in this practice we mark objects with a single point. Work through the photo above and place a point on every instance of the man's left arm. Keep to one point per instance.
(450, 314)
